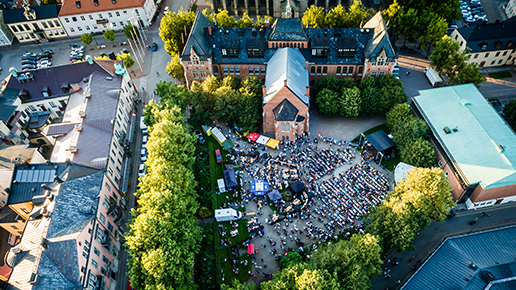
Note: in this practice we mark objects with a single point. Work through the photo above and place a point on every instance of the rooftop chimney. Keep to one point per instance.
(264, 90)
(209, 30)
(285, 82)
(306, 65)
(308, 91)
(266, 23)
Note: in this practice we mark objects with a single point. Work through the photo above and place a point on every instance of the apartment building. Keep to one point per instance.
(38, 23)
(96, 16)
(346, 53)
(488, 45)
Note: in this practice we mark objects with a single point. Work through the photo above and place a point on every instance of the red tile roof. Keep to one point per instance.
(88, 6)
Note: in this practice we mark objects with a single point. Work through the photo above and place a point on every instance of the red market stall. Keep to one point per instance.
(250, 249)
(253, 136)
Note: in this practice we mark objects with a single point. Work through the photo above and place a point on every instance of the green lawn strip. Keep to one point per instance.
(392, 162)
(218, 256)
(500, 75)
(224, 252)
(227, 267)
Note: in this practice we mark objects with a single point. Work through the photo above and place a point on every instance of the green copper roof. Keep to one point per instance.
(483, 147)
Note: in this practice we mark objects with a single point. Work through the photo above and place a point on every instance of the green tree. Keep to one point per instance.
(358, 14)
(436, 29)
(350, 102)
(172, 95)
(409, 22)
(348, 83)
(448, 9)
(209, 14)
(509, 114)
(245, 21)
(232, 82)
(131, 31)
(328, 82)
(302, 277)
(393, 15)
(399, 113)
(337, 17)
(328, 102)
(211, 84)
(86, 38)
(237, 285)
(252, 86)
(174, 67)
(419, 153)
(163, 236)
(290, 259)
(392, 92)
(446, 55)
(470, 73)
(172, 26)
(408, 131)
(226, 21)
(109, 35)
(48, 2)
(314, 17)
(126, 57)
(371, 98)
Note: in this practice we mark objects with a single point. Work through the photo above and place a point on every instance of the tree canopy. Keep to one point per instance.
(418, 153)
(301, 277)
(86, 38)
(338, 17)
(290, 259)
(171, 28)
(509, 114)
(422, 197)
(174, 67)
(163, 235)
(131, 31)
(126, 57)
(109, 35)
(314, 17)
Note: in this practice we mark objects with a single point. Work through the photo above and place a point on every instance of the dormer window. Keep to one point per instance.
(381, 61)
(509, 43)
(498, 44)
(96, 2)
(483, 46)
(78, 3)
(320, 52)
(194, 59)
(229, 52)
(345, 52)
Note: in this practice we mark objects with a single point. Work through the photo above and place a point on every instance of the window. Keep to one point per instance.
(14, 28)
(360, 70)
(231, 70)
(74, 19)
(103, 271)
(287, 127)
(487, 55)
(381, 61)
(91, 17)
(325, 70)
(302, 45)
(57, 23)
(500, 61)
(497, 54)
(483, 46)
(108, 187)
(114, 24)
(229, 52)
(345, 52)
(86, 242)
(237, 70)
(110, 14)
(83, 270)
(216, 70)
(96, 251)
(350, 72)
(85, 255)
(446, 173)
(102, 218)
(125, 12)
(52, 104)
(504, 53)
(256, 70)
(282, 126)
(105, 203)
(382, 73)
(26, 27)
(440, 163)
(44, 25)
(194, 59)
(105, 260)
(82, 18)
(67, 20)
(312, 70)
(320, 52)
(225, 69)
(373, 74)
(87, 27)
(498, 44)
(338, 70)
(493, 62)
(255, 52)
(262, 70)
(509, 43)
(100, 15)
(251, 70)
(79, 28)
(121, 23)
(476, 55)
(32, 108)
(344, 70)
(71, 29)
(117, 14)
(95, 264)
(318, 70)
(50, 23)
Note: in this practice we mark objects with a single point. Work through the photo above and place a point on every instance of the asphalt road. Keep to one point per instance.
(430, 238)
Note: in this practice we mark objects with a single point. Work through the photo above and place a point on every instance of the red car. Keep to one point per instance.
(218, 155)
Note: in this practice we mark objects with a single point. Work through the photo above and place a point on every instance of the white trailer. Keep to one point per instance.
(433, 77)
(227, 214)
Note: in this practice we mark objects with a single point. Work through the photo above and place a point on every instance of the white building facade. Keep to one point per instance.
(79, 17)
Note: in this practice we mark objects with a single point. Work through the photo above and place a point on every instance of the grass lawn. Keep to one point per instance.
(222, 252)
(500, 75)
(227, 267)
(392, 162)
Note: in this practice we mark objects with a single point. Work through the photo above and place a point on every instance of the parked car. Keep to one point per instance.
(199, 136)
(48, 62)
(141, 170)
(48, 51)
(28, 57)
(144, 139)
(42, 55)
(29, 66)
(28, 61)
(143, 155)
(154, 46)
(29, 54)
(218, 156)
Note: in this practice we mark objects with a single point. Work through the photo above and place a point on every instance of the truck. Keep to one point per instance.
(433, 77)
(227, 214)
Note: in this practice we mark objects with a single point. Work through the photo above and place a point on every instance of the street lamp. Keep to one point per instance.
(92, 35)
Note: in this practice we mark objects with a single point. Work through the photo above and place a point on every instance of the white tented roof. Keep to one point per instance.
(286, 64)
(262, 140)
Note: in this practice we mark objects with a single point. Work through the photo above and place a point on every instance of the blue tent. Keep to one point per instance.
(274, 195)
(259, 187)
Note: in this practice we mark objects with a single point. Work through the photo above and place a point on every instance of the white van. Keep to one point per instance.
(142, 124)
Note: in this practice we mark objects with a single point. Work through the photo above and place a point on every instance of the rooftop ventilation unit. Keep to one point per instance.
(447, 130)
(96, 2)
(73, 149)
(87, 93)
(78, 3)
(78, 127)
(109, 78)
(500, 148)
(82, 114)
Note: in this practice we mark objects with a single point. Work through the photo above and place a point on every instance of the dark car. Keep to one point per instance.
(154, 46)
(42, 55)
(49, 51)
(28, 61)
(28, 58)
(29, 66)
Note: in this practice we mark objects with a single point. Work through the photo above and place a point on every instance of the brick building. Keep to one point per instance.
(344, 52)
(286, 95)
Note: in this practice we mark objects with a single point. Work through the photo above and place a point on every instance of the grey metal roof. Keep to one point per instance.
(449, 267)
(50, 277)
(291, 29)
(58, 129)
(380, 140)
(42, 12)
(198, 40)
(490, 34)
(287, 64)
(230, 178)
(241, 39)
(285, 111)
(380, 40)
(7, 108)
